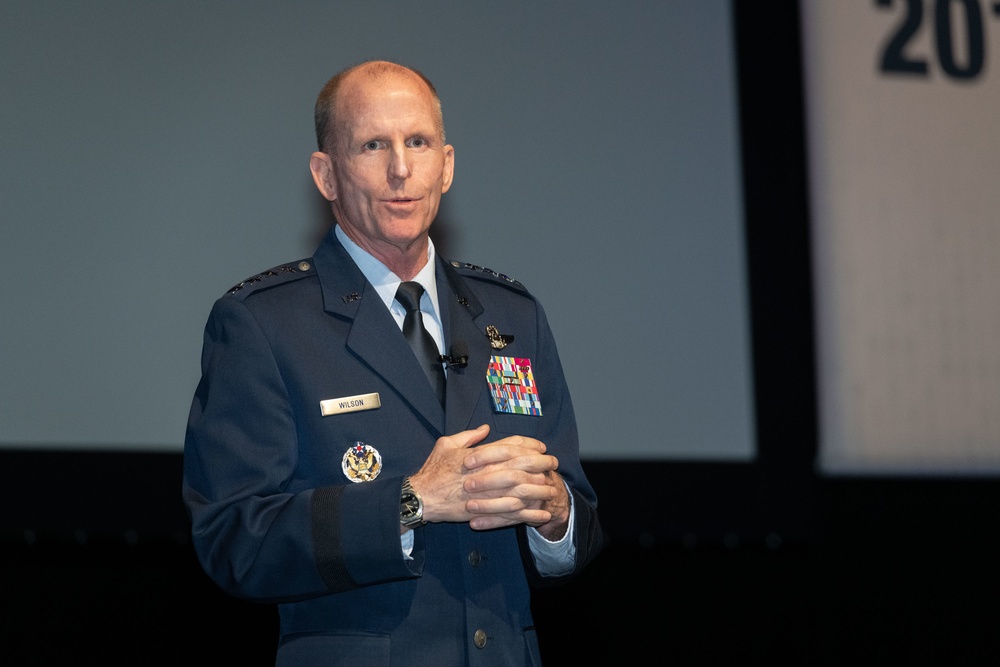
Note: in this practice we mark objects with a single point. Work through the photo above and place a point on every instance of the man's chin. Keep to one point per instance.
(402, 232)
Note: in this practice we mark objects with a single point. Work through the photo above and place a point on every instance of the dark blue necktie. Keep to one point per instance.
(408, 295)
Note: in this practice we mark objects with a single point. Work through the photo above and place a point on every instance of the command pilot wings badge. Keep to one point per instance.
(498, 341)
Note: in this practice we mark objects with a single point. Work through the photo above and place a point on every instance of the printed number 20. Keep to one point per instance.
(897, 62)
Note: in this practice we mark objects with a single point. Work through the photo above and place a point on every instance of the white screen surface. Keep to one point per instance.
(154, 155)
(904, 147)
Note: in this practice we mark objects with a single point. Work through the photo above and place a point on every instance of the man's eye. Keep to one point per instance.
(418, 142)
(371, 146)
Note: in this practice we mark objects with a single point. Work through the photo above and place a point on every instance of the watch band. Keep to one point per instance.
(411, 506)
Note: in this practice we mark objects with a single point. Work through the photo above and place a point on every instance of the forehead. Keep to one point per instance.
(386, 101)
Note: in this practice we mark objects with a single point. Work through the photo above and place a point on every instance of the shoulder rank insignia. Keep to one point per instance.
(285, 269)
(483, 269)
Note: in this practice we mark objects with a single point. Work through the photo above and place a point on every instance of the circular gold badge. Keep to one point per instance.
(361, 463)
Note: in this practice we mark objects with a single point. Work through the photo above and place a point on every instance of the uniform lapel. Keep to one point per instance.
(461, 313)
(374, 336)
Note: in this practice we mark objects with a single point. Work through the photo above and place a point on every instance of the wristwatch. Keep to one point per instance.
(411, 507)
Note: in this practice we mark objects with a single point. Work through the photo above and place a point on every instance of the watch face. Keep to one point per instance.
(409, 505)
(411, 510)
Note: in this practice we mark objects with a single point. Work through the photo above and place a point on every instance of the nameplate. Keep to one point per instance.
(337, 406)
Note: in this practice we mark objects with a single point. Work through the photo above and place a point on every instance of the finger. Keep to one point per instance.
(503, 478)
(521, 441)
(464, 439)
(511, 498)
(503, 450)
(504, 505)
(529, 517)
(532, 465)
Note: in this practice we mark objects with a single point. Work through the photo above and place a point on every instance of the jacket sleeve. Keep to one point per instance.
(559, 433)
(256, 532)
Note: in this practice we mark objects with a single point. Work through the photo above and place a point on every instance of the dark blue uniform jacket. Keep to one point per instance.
(275, 518)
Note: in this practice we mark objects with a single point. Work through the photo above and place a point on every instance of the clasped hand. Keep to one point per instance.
(497, 484)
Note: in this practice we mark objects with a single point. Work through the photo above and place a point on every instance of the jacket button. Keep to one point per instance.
(474, 558)
(479, 638)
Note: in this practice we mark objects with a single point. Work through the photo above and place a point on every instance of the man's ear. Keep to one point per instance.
(321, 166)
(449, 168)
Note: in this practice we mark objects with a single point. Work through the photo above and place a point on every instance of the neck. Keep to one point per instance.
(404, 260)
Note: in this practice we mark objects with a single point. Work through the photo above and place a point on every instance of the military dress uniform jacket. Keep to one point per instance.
(276, 519)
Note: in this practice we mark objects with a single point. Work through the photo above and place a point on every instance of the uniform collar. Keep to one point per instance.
(386, 282)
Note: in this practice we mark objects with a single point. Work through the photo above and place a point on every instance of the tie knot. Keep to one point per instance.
(409, 294)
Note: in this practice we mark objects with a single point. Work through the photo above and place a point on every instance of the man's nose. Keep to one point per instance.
(399, 164)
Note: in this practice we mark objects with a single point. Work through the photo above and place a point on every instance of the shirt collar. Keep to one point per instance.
(385, 281)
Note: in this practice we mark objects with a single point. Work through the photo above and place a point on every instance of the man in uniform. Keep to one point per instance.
(382, 441)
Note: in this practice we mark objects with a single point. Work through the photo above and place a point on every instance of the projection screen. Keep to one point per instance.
(155, 154)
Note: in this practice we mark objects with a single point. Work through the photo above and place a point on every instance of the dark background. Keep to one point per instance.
(711, 563)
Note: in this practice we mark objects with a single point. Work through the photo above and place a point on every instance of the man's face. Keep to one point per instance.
(390, 164)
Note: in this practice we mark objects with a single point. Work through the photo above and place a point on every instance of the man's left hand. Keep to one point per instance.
(508, 487)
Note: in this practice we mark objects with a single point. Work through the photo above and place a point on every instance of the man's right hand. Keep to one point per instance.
(514, 469)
